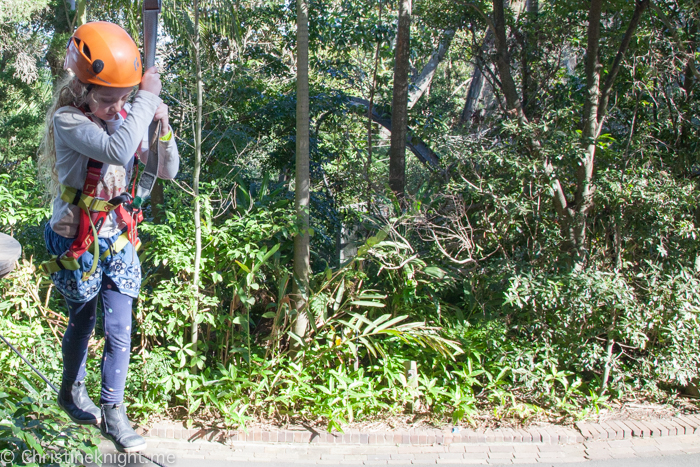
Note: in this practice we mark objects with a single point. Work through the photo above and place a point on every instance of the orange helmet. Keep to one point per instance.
(103, 53)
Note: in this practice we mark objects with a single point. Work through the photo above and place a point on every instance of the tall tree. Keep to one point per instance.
(594, 111)
(302, 180)
(510, 92)
(529, 52)
(196, 171)
(372, 89)
(399, 103)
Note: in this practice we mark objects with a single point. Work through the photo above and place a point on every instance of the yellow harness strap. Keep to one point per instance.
(85, 202)
(56, 263)
(119, 245)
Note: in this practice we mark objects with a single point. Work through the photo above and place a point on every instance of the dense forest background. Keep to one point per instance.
(537, 257)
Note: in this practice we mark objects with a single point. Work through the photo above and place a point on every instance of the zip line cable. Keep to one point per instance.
(46, 380)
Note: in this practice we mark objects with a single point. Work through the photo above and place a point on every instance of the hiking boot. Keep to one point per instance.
(74, 400)
(116, 427)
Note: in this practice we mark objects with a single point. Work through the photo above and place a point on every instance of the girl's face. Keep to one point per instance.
(105, 103)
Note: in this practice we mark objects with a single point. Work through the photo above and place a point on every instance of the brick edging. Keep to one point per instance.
(551, 434)
(542, 435)
(625, 429)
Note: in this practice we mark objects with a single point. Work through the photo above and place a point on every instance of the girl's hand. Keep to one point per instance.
(162, 115)
(151, 81)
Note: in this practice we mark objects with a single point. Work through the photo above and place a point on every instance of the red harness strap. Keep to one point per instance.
(84, 239)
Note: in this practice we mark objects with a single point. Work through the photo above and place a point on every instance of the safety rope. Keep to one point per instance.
(150, 11)
(55, 389)
(30, 365)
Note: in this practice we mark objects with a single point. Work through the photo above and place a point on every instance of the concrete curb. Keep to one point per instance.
(548, 435)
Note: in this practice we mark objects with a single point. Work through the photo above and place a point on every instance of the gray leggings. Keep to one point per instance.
(117, 349)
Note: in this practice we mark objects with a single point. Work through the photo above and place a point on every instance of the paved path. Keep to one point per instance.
(677, 451)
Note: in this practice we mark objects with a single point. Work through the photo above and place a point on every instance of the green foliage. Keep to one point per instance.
(30, 420)
(36, 432)
(15, 11)
(20, 196)
(467, 277)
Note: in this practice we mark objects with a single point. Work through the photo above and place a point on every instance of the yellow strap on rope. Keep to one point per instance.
(168, 136)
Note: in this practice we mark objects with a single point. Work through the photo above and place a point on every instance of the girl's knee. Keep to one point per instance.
(118, 336)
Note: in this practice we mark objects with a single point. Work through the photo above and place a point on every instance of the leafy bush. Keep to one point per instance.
(30, 419)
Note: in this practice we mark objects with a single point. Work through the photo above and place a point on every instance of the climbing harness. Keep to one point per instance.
(93, 213)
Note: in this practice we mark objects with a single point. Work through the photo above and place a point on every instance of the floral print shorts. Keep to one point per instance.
(124, 268)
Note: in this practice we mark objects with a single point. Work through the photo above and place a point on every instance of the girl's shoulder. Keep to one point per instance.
(69, 117)
(68, 111)
(69, 108)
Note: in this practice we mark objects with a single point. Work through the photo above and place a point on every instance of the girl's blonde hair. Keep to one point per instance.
(69, 91)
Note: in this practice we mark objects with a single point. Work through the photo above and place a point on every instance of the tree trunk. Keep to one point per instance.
(302, 182)
(510, 92)
(477, 84)
(157, 201)
(399, 104)
(594, 111)
(414, 143)
(81, 14)
(530, 49)
(368, 162)
(195, 181)
(422, 82)
(575, 228)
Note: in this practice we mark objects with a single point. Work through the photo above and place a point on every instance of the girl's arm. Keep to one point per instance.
(78, 132)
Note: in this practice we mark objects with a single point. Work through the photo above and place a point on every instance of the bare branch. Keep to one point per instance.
(674, 32)
(561, 205)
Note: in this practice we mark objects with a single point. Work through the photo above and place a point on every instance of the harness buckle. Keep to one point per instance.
(94, 201)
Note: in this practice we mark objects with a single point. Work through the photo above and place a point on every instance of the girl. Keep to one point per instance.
(88, 151)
